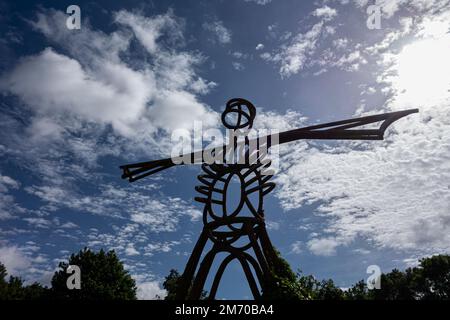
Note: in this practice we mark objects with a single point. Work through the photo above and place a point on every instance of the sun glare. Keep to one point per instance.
(423, 71)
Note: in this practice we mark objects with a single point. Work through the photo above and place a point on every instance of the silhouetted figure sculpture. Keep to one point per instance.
(240, 232)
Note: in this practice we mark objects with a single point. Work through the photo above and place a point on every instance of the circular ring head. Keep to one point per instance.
(239, 114)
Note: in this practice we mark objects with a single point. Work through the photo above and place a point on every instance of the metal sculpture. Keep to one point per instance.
(242, 230)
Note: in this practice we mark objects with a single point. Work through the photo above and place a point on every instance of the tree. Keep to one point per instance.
(282, 282)
(319, 290)
(13, 289)
(359, 291)
(432, 278)
(171, 284)
(3, 273)
(327, 290)
(103, 277)
(429, 281)
(395, 285)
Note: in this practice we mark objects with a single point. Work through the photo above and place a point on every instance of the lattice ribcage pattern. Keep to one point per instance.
(238, 231)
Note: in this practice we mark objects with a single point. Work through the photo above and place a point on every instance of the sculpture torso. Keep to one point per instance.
(225, 219)
(227, 223)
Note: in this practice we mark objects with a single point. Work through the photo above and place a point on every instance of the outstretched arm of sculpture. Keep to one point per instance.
(345, 129)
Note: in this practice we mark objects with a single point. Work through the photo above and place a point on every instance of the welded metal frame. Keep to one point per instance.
(215, 181)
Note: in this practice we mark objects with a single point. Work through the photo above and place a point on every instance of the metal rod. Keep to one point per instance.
(338, 130)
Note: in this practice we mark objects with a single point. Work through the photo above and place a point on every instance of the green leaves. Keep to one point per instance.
(13, 289)
(103, 277)
(428, 281)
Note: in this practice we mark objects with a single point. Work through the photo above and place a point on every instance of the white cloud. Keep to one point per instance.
(297, 52)
(395, 194)
(8, 182)
(323, 247)
(361, 251)
(360, 3)
(153, 247)
(132, 240)
(162, 215)
(293, 57)
(69, 225)
(341, 56)
(150, 290)
(266, 56)
(14, 259)
(325, 13)
(220, 32)
(38, 222)
(390, 7)
(296, 247)
(156, 213)
(317, 48)
(26, 262)
(260, 46)
(8, 206)
(131, 251)
(149, 30)
(278, 121)
(406, 27)
(69, 88)
(425, 83)
(340, 43)
(350, 62)
(179, 110)
(239, 55)
(260, 2)
(272, 225)
(237, 66)
(98, 84)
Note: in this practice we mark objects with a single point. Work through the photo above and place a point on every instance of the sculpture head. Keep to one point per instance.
(238, 114)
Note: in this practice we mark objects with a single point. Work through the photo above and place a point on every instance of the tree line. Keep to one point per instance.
(104, 277)
(429, 280)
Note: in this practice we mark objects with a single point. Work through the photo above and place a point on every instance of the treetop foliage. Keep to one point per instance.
(103, 277)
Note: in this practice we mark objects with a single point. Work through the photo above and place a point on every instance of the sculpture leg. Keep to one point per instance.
(191, 284)
(260, 264)
(259, 250)
(202, 274)
(244, 259)
(267, 247)
(218, 276)
(191, 266)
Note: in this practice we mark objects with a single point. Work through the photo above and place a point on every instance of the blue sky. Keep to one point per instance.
(76, 104)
